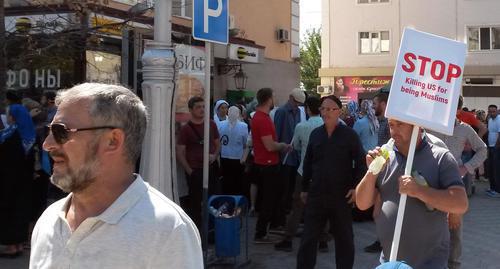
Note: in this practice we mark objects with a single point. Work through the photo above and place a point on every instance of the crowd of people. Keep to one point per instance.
(25, 169)
(306, 162)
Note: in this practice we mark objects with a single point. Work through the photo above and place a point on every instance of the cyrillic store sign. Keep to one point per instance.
(39, 78)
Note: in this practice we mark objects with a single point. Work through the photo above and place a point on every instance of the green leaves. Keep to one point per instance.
(310, 59)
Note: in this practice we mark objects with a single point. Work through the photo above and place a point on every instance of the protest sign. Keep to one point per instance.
(427, 80)
(424, 92)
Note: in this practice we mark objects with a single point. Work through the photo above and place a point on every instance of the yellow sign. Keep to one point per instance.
(106, 26)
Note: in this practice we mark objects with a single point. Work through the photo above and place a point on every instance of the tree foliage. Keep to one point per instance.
(310, 59)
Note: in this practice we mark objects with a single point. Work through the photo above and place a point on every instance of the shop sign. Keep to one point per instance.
(191, 79)
(47, 23)
(43, 78)
(348, 87)
(106, 26)
(243, 53)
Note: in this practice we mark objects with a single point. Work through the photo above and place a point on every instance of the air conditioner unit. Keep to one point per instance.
(324, 89)
(282, 35)
(232, 23)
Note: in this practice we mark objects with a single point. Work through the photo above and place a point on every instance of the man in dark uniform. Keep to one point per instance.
(333, 165)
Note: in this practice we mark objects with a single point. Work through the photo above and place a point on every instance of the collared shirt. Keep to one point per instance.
(285, 120)
(333, 165)
(462, 134)
(425, 236)
(141, 229)
(384, 133)
(301, 137)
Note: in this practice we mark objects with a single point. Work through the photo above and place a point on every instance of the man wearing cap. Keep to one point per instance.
(285, 120)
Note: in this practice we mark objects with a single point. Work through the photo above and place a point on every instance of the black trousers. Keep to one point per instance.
(317, 212)
(288, 176)
(232, 177)
(195, 186)
(270, 184)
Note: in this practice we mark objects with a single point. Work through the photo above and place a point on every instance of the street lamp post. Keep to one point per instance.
(158, 93)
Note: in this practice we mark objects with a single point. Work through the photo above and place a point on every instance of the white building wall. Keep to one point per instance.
(344, 19)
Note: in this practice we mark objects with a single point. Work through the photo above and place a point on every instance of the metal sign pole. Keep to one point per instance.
(206, 145)
(402, 200)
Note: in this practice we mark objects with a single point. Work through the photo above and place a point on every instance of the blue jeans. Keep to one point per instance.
(494, 168)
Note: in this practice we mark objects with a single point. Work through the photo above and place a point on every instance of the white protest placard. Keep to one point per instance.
(427, 81)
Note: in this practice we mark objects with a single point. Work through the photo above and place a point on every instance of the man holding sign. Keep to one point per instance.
(418, 177)
(438, 190)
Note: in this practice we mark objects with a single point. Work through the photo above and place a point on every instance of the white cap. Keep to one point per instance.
(299, 95)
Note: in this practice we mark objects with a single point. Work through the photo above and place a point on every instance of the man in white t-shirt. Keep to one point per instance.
(493, 151)
(111, 218)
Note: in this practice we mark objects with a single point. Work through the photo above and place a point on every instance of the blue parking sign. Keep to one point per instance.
(211, 20)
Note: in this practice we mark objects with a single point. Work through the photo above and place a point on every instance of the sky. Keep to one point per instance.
(310, 15)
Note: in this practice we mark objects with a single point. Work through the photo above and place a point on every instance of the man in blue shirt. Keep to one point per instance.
(286, 119)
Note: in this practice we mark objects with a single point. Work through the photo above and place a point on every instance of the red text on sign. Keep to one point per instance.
(438, 68)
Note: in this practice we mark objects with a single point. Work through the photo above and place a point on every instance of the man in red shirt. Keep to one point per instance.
(190, 155)
(266, 159)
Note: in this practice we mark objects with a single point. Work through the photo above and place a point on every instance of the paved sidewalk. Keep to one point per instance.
(481, 249)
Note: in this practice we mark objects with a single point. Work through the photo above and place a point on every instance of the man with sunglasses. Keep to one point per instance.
(333, 165)
(111, 218)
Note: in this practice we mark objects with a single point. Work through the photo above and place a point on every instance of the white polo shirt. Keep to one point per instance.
(141, 229)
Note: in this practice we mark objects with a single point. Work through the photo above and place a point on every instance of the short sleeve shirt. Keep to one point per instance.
(141, 229)
(425, 235)
(191, 136)
(262, 125)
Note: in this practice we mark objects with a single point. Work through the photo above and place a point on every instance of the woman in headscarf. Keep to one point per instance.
(16, 176)
(220, 111)
(352, 113)
(367, 126)
(233, 137)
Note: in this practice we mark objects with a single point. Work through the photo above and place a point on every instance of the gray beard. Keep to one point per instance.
(79, 179)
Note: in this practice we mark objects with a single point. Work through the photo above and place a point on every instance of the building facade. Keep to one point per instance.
(361, 40)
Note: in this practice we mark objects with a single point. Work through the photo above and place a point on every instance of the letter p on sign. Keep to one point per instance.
(208, 12)
(211, 20)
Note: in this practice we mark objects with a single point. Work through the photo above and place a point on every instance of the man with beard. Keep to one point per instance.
(266, 152)
(380, 104)
(111, 218)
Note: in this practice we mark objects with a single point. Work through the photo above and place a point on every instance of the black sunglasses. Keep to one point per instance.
(61, 132)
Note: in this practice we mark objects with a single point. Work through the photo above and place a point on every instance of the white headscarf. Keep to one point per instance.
(233, 116)
(216, 109)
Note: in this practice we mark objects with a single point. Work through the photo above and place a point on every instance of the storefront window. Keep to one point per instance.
(103, 67)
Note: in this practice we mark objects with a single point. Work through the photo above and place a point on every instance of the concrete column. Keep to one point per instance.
(158, 158)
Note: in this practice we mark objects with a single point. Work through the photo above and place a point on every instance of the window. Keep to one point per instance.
(483, 38)
(372, 1)
(183, 8)
(374, 42)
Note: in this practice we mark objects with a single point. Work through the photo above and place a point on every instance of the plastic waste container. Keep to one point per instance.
(227, 212)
